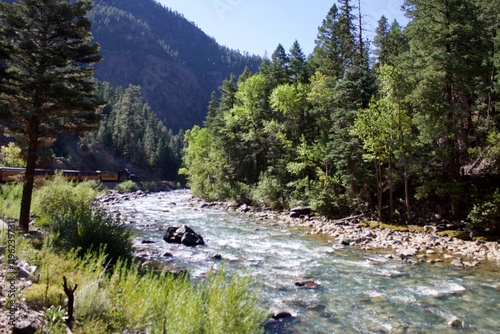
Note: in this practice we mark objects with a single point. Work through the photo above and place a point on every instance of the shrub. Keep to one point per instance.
(485, 215)
(59, 198)
(149, 186)
(87, 229)
(129, 300)
(127, 186)
(78, 224)
(222, 304)
(269, 192)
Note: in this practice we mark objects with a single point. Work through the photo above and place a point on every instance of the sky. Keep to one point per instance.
(258, 26)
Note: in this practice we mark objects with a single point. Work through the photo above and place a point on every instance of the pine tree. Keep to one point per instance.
(49, 88)
(397, 44)
(448, 48)
(380, 41)
(276, 71)
(299, 72)
(328, 57)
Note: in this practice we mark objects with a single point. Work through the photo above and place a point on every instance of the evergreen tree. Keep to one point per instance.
(299, 72)
(328, 57)
(448, 46)
(128, 122)
(396, 44)
(49, 88)
(276, 71)
(245, 75)
(380, 41)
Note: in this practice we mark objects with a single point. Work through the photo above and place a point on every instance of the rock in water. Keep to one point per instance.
(183, 235)
(455, 323)
(310, 284)
(281, 315)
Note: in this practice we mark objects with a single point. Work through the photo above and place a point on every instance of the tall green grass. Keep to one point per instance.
(129, 300)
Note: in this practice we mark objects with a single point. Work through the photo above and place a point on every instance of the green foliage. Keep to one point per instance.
(10, 156)
(206, 169)
(55, 319)
(127, 186)
(69, 211)
(149, 186)
(269, 192)
(59, 198)
(485, 215)
(132, 131)
(48, 89)
(400, 136)
(10, 195)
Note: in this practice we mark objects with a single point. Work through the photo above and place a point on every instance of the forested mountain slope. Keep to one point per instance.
(176, 64)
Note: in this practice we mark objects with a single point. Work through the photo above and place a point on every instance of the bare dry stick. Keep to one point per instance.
(70, 292)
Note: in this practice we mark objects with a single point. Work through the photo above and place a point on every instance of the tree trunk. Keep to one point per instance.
(391, 188)
(407, 191)
(29, 178)
(378, 168)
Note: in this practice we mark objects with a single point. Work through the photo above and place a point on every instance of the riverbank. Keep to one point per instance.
(408, 246)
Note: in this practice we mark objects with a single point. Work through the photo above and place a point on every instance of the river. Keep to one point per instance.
(360, 291)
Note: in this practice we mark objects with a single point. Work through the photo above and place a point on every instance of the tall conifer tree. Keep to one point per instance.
(447, 43)
(49, 88)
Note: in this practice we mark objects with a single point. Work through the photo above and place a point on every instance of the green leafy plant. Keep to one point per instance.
(149, 186)
(55, 317)
(78, 224)
(127, 186)
(485, 215)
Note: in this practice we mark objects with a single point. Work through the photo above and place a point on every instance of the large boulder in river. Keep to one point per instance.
(183, 235)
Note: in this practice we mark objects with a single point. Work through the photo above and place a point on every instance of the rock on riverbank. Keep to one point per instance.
(411, 247)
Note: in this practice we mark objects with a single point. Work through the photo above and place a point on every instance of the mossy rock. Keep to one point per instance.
(454, 234)
(377, 224)
(370, 223)
(396, 228)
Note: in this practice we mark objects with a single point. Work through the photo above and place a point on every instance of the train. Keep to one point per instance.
(12, 174)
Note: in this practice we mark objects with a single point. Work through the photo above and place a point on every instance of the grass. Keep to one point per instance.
(10, 200)
(127, 299)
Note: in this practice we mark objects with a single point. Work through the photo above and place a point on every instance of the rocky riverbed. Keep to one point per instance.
(411, 247)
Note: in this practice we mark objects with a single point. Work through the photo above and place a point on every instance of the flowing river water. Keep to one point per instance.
(360, 291)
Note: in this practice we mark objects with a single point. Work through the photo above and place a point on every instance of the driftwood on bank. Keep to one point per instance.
(346, 219)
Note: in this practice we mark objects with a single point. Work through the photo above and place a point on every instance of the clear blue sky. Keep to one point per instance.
(258, 26)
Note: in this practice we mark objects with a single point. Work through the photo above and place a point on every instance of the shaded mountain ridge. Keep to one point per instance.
(176, 64)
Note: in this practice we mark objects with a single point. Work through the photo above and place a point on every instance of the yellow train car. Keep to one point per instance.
(109, 176)
(89, 176)
(10, 174)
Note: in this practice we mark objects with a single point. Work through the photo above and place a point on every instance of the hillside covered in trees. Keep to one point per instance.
(411, 134)
(176, 64)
